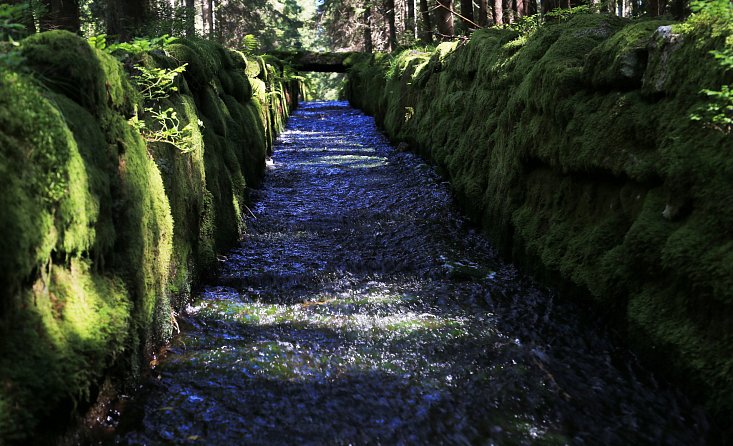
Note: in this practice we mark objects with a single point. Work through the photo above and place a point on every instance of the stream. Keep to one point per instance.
(362, 308)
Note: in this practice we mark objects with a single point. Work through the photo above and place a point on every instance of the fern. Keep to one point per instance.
(249, 44)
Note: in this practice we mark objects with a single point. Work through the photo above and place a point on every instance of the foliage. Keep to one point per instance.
(168, 129)
(562, 14)
(249, 44)
(528, 24)
(716, 17)
(9, 25)
(157, 83)
(138, 46)
(9, 56)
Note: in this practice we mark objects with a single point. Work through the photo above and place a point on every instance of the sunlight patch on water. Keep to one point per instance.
(355, 161)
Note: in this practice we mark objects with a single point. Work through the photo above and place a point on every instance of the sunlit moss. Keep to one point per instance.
(104, 233)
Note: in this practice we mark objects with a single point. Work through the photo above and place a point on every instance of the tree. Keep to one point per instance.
(467, 13)
(444, 17)
(411, 23)
(426, 34)
(391, 25)
(498, 12)
(61, 14)
(368, 44)
(656, 8)
(207, 10)
(190, 18)
(483, 13)
(126, 17)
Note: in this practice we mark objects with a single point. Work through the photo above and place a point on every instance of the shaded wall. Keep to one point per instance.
(573, 148)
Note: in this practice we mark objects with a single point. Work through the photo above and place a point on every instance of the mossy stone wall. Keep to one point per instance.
(101, 233)
(573, 147)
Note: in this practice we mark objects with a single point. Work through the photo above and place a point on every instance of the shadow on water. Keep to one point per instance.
(362, 309)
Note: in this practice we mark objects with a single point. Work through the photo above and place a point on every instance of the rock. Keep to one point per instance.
(663, 44)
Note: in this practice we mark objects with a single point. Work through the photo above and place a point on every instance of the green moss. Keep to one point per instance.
(620, 61)
(145, 230)
(254, 67)
(104, 235)
(73, 326)
(198, 73)
(70, 66)
(36, 156)
(573, 147)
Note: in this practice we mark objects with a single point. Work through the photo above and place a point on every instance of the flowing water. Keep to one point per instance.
(361, 308)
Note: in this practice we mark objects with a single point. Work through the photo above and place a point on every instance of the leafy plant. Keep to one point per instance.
(717, 114)
(562, 14)
(9, 26)
(716, 17)
(139, 45)
(10, 57)
(168, 129)
(249, 44)
(156, 83)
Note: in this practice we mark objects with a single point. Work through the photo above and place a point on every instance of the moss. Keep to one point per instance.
(37, 150)
(253, 68)
(72, 327)
(70, 66)
(620, 61)
(241, 88)
(145, 229)
(198, 73)
(573, 147)
(103, 234)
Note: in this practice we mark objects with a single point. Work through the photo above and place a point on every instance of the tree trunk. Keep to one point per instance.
(444, 16)
(483, 13)
(391, 25)
(126, 17)
(368, 44)
(520, 12)
(190, 18)
(509, 11)
(207, 11)
(61, 14)
(655, 8)
(498, 12)
(410, 26)
(467, 12)
(679, 9)
(427, 27)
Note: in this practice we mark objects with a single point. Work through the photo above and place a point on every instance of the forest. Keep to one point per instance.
(297, 24)
(496, 222)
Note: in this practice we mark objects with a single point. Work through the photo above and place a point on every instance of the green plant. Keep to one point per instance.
(168, 129)
(716, 16)
(156, 83)
(249, 44)
(562, 14)
(528, 24)
(10, 57)
(139, 45)
(9, 25)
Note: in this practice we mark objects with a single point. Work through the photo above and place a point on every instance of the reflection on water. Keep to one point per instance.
(362, 309)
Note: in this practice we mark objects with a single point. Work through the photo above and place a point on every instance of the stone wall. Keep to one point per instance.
(103, 233)
(573, 147)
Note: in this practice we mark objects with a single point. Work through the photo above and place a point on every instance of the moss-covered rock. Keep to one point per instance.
(102, 234)
(573, 147)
